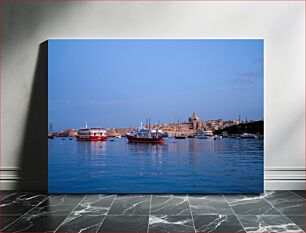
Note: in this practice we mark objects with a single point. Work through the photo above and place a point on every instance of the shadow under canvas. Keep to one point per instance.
(34, 153)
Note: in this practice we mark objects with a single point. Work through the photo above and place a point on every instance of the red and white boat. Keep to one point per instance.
(145, 135)
(91, 134)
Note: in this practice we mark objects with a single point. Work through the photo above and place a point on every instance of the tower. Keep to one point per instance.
(194, 121)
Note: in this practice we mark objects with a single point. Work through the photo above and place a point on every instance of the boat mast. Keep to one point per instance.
(51, 128)
(177, 128)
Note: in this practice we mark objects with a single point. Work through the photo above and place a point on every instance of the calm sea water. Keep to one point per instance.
(177, 166)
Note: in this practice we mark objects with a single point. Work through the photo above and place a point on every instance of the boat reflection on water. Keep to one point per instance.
(190, 145)
(175, 166)
(155, 149)
(89, 148)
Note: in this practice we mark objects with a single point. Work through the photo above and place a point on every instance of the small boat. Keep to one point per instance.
(248, 136)
(217, 137)
(143, 135)
(118, 136)
(92, 134)
(205, 135)
(191, 136)
(180, 137)
(165, 135)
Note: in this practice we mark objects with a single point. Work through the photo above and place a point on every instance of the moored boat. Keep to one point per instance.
(92, 134)
(217, 137)
(144, 135)
(165, 135)
(248, 136)
(51, 136)
(179, 136)
(205, 135)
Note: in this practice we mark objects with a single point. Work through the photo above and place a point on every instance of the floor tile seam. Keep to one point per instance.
(297, 194)
(45, 213)
(133, 203)
(92, 214)
(299, 228)
(165, 204)
(194, 228)
(273, 206)
(299, 215)
(61, 205)
(169, 196)
(25, 213)
(215, 214)
(149, 213)
(107, 213)
(127, 214)
(11, 215)
(214, 204)
(126, 196)
(57, 195)
(7, 196)
(169, 215)
(277, 198)
(229, 205)
(285, 201)
(264, 215)
(283, 215)
(234, 213)
(69, 214)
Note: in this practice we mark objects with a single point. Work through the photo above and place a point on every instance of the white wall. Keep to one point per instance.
(26, 25)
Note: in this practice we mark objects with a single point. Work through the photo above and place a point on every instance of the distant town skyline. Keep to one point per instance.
(119, 83)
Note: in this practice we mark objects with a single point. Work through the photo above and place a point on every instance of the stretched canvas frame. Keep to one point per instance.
(131, 169)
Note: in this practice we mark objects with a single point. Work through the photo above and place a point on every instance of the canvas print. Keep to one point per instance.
(155, 116)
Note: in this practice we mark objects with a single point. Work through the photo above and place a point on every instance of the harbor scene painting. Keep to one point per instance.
(156, 116)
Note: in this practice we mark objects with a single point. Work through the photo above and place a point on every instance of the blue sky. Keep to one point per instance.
(118, 83)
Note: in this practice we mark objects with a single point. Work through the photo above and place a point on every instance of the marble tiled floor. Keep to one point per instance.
(273, 211)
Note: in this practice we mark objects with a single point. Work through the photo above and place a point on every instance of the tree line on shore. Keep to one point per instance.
(255, 127)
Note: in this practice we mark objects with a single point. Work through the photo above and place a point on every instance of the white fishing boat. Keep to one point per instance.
(91, 134)
(143, 135)
(208, 134)
(248, 136)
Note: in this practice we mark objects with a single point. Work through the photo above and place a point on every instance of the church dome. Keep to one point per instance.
(194, 117)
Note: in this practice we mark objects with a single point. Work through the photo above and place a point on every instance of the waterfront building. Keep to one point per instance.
(66, 133)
